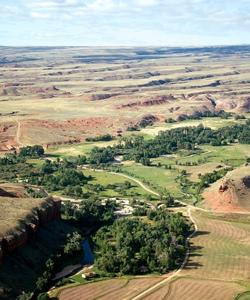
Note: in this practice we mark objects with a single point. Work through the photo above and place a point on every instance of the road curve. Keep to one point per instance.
(138, 182)
(175, 273)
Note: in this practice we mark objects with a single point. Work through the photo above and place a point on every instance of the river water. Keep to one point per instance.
(88, 256)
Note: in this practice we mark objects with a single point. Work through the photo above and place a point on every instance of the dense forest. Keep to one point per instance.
(134, 246)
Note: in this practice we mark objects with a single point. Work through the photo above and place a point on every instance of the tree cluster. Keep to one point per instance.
(100, 138)
(166, 142)
(101, 155)
(58, 175)
(208, 178)
(32, 151)
(12, 165)
(91, 211)
(132, 246)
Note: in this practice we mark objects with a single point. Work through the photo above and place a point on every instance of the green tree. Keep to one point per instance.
(73, 244)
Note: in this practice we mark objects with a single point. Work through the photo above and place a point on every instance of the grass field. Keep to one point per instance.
(157, 177)
(209, 159)
(77, 149)
(104, 178)
(234, 155)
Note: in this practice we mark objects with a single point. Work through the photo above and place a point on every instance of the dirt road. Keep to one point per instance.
(18, 134)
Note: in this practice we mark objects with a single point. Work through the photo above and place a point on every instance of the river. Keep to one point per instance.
(88, 256)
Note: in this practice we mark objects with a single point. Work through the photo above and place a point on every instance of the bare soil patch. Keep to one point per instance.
(230, 194)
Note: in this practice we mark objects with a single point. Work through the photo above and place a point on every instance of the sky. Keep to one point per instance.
(124, 22)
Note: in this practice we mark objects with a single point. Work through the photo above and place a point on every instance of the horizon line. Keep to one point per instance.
(126, 46)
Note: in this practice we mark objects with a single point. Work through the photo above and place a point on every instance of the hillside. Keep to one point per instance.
(25, 227)
(231, 193)
(20, 217)
(21, 269)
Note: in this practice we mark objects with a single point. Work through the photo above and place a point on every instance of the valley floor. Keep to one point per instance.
(217, 268)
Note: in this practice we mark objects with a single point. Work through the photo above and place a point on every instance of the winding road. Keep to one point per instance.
(189, 214)
(175, 273)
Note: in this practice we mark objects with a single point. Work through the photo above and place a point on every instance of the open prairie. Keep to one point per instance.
(63, 95)
(58, 97)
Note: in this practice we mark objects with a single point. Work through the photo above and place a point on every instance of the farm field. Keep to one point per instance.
(217, 269)
(115, 288)
(220, 248)
(189, 289)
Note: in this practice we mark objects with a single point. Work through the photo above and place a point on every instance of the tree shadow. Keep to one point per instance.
(195, 252)
(201, 232)
(178, 204)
